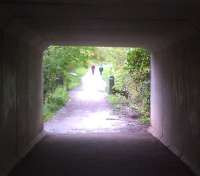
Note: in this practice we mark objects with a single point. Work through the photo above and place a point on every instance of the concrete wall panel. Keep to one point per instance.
(20, 94)
(7, 111)
(175, 110)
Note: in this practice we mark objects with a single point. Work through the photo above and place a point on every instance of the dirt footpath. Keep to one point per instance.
(89, 112)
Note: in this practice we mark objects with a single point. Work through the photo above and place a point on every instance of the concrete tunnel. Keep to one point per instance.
(170, 29)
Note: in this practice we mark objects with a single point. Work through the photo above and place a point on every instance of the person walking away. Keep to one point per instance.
(101, 69)
(93, 69)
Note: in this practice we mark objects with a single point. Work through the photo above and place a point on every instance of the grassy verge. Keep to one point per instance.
(60, 96)
(144, 119)
(135, 100)
(117, 101)
(54, 102)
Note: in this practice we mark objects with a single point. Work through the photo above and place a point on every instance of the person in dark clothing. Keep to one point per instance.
(101, 69)
(93, 69)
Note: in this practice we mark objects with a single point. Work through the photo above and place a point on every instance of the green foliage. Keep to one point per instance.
(115, 60)
(116, 100)
(131, 69)
(60, 61)
(54, 102)
(58, 97)
(144, 119)
(106, 72)
(62, 68)
(138, 65)
(75, 77)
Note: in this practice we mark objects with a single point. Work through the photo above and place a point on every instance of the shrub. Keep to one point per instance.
(58, 98)
(138, 65)
(54, 102)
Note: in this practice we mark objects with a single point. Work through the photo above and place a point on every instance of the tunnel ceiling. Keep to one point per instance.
(147, 23)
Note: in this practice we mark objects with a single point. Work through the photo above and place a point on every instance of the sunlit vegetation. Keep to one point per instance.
(131, 69)
(64, 66)
(138, 65)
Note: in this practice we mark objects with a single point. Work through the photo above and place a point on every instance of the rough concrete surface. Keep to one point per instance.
(20, 94)
(176, 98)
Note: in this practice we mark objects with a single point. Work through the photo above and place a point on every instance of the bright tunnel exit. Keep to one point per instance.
(91, 104)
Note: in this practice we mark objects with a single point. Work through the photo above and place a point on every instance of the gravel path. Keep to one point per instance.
(89, 112)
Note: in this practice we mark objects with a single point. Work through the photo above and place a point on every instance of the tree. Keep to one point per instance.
(138, 65)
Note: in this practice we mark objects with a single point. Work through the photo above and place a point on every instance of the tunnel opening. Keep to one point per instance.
(95, 89)
(170, 29)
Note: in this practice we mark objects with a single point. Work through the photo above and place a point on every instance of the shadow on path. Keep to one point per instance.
(100, 154)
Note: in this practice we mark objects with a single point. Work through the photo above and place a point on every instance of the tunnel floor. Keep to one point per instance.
(98, 154)
(91, 141)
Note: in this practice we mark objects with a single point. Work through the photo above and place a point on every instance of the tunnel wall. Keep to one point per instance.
(175, 99)
(20, 95)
